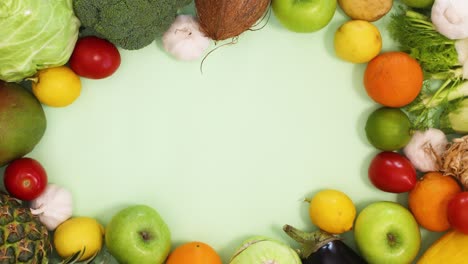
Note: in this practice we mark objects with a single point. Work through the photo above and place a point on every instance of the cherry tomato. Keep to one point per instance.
(94, 58)
(25, 179)
(457, 212)
(392, 172)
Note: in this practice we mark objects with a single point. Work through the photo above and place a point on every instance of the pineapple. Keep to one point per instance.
(23, 238)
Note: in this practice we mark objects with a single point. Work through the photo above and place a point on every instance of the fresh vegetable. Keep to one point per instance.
(455, 119)
(392, 172)
(184, 40)
(53, 206)
(368, 10)
(129, 24)
(357, 41)
(428, 200)
(332, 211)
(94, 58)
(450, 248)
(194, 253)
(388, 129)
(261, 249)
(450, 18)
(457, 212)
(224, 19)
(455, 160)
(393, 79)
(21, 128)
(424, 148)
(320, 247)
(79, 234)
(418, 3)
(25, 179)
(56, 87)
(36, 35)
(23, 238)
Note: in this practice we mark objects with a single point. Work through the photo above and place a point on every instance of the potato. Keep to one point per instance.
(369, 10)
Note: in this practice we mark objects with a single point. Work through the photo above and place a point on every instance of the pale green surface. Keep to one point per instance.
(222, 155)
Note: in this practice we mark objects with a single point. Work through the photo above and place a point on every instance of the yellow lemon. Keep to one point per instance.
(357, 41)
(78, 234)
(58, 86)
(332, 211)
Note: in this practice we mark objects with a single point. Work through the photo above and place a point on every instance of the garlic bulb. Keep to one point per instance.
(424, 148)
(184, 39)
(53, 206)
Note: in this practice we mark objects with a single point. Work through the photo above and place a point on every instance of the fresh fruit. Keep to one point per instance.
(386, 232)
(369, 10)
(388, 129)
(393, 79)
(450, 248)
(418, 3)
(25, 179)
(94, 58)
(24, 239)
(457, 212)
(429, 199)
(79, 234)
(194, 253)
(138, 234)
(304, 16)
(264, 250)
(357, 41)
(22, 122)
(332, 211)
(57, 87)
(392, 172)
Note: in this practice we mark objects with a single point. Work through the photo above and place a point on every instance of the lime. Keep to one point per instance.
(78, 234)
(388, 129)
(57, 86)
(418, 3)
(357, 41)
(332, 211)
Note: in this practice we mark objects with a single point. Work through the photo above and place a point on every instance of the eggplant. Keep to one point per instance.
(320, 247)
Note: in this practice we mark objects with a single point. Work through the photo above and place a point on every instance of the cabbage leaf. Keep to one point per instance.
(35, 34)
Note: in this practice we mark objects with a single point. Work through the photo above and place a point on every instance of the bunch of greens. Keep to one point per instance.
(443, 102)
(35, 35)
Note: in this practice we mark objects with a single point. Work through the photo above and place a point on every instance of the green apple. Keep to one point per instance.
(304, 15)
(387, 233)
(418, 3)
(137, 235)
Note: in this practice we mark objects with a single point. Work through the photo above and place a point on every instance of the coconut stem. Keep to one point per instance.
(310, 241)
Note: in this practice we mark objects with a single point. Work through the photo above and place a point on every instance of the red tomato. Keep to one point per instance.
(94, 58)
(457, 212)
(392, 172)
(25, 179)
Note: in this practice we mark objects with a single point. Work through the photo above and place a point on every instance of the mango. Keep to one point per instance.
(22, 122)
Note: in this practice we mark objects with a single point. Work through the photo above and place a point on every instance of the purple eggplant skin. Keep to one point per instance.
(334, 252)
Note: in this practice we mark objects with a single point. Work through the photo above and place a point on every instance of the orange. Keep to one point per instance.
(393, 79)
(194, 253)
(428, 200)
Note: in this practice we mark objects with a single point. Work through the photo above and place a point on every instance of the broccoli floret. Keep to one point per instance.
(129, 24)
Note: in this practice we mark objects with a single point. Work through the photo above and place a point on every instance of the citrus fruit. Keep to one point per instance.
(429, 199)
(388, 129)
(57, 87)
(393, 79)
(357, 41)
(78, 234)
(194, 253)
(332, 211)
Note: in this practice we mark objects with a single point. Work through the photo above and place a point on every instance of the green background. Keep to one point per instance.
(224, 154)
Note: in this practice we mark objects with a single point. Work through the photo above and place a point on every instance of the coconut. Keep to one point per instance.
(455, 160)
(224, 19)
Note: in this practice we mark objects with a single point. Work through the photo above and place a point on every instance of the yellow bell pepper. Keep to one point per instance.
(451, 248)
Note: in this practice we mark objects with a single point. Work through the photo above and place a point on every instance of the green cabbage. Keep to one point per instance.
(35, 34)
